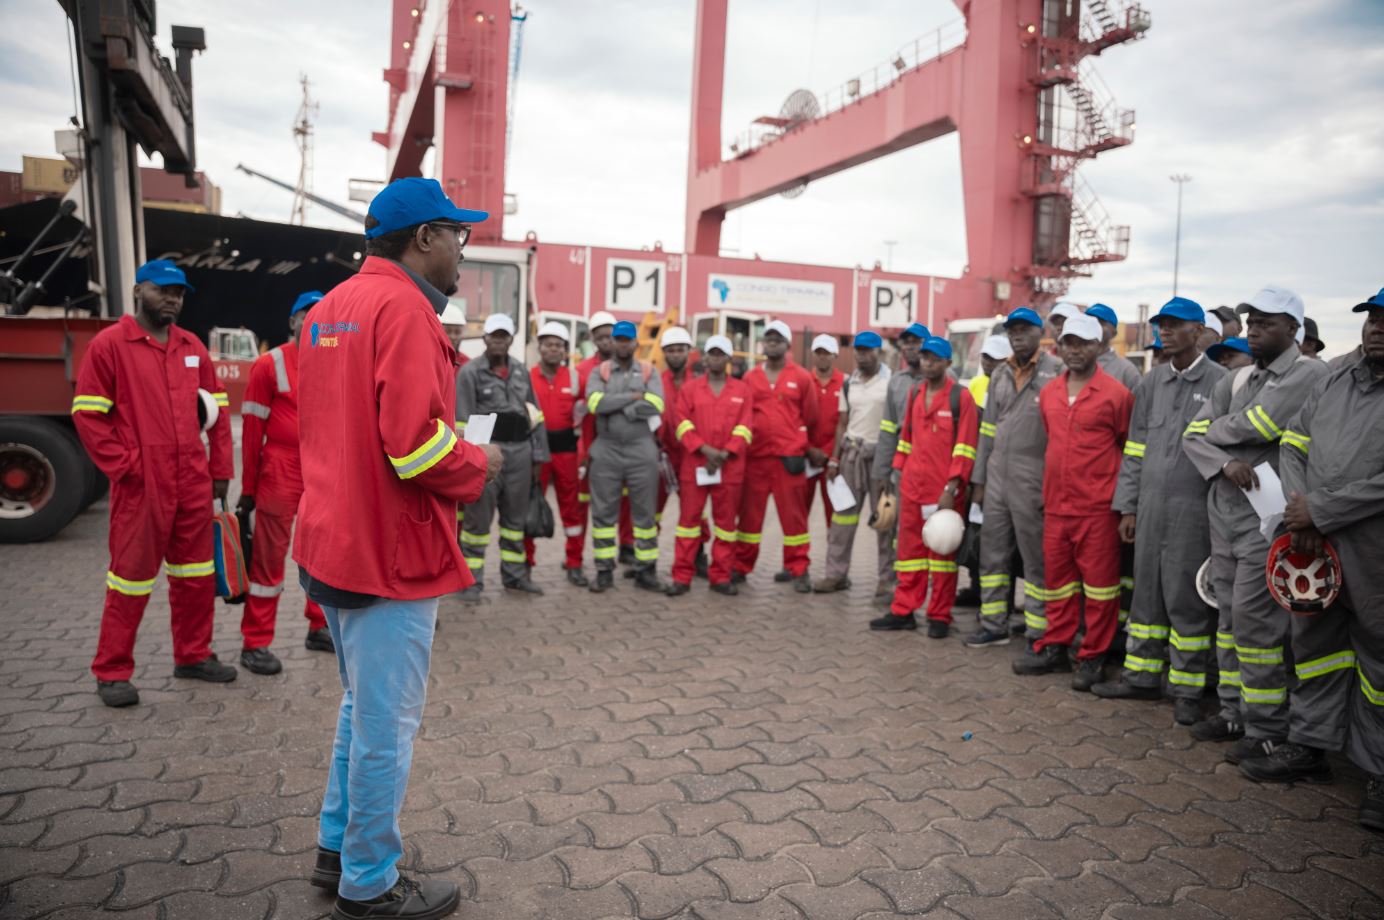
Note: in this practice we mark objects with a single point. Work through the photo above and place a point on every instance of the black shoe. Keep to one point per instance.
(260, 661)
(1089, 672)
(894, 621)
(801, 584)
(983, 638)
(409, 899)
(727, 588)
(647, 580)
(968, 598)
(626, 556)
(1247, 749)
(1017, 629)
(319, 640)
(605, 580)
(1289, 763)
(1186, 712)
(737, 578)
(327, 872)
(208, 669)
(1121, 689)
(1372, 805)
(1050, 660)
(471, 596)
(629, 573)
(677, 589)
(783, 576)
(525, 586)
(117, 693)
(1217, 728)
(575, 577)
(700, 565)
(936, 629)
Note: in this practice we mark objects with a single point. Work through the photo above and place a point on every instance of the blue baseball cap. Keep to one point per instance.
(163, 273)
(624, 330)
(1023, 315)
(1181, 308)
(1220, 348)
(1376, 301)
(413, 201)
(305, 300)
(917, 330)
(867, 339)
(939, 347)
(1157, 340)
(1103, 313)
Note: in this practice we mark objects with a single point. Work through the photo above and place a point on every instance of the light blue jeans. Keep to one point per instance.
(383, 652)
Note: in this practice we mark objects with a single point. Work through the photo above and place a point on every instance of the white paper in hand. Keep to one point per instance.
(707, 478)
(809, 470)
(479, 428)
(655, 422)
(1267, 500)
(839, 493)
(977, 516)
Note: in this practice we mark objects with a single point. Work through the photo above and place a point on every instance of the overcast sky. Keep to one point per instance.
(1272, 108)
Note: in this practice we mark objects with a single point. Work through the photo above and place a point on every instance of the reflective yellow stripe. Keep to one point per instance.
(1101, 594)
(1230, 678)
(1259, 655)
(1148, 631)
(941, 565)
(1033, 621)
(990, 608)
(1267, 696)
(603, 533)
(655, 399)
(1257, 415)
(888, 427)
(964, 450)
(1037, 592)
(845, 519)
(994, 581)
(689, 533)
(742, 537)
(540, 419)
(1127, 583)
(1150, 665)
(742, 431)
(507, 555)
(1186, 678)
(987, 429)
(1296, 439)
(1134, 449)
(910, 565)
(1071, 589)
(594, 400)
(646, 555)
(1341, 661)
(1225, 640)
(428, 455)
(461, 513)
(683, 427)
(131, 588)
(796, 539)
(191, 569)
(646, 533)
(84, 402)
(728, 536)
(475, 562)
(603, 552)
(905, 447)
(1374, 696)
(584, 497)
(511, 535)
(1190, 643)
(222, 399)
(475, 539)
(1198, 427)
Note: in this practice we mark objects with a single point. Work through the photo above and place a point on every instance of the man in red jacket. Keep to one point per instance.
(383, 471)
(785, 416)
(558, 390)
(136, 413)
(827, 381)
(1086, 413)
(271, 482)
(676, 345)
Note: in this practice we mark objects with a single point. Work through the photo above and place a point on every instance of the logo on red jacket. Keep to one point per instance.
(328, 334)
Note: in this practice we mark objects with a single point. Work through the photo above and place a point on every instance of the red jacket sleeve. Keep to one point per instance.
(963, 458)
(254, 415)
(222, 451)
(415, 416)
(904, 446)
(94, 412)
(741, 435)
(684, 429)
(808, 406)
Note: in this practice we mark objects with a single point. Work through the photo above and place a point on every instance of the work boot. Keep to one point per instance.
(327, 872)
(647, 580)
(629, 572)
(727, 588)
(1050, 660)
(525, 586)
(1089, 672)
(700, 565)
(409, 899)
(1017, 628)
(319, 640)
(1186, 712)
(677, 589)
(260, 661)
(737, 578)
(626, 556)
(605, 580)
(968, 598)
(783, 576)
(1289, 763)
(983, 638)
(471, 596)
(575, 576)
(894, 621)
(801, 584)
(1218, 728)
(831, 585)
(936, 629)
(117, 693)
(208, 669)
(1121, 689)
(1372, 805)
(1247, 749)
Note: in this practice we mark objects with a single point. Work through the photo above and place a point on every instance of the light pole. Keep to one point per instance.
(1181, 179)
(889, 259)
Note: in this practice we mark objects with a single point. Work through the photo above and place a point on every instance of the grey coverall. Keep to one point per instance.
(481, 391)
(895, 406)
(1159, 484)
(624, 456)
(1333, 453)
(1243, 421)
(858, 465)
(1009, 464)
(1119, 367)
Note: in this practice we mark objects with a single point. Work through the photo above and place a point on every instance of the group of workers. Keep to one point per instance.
(1071, 463)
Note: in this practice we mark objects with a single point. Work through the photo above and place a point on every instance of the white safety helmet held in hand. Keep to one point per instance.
(1205, 586)
(1303, 584)
(207, 409)
(886, 512)
(943, 532)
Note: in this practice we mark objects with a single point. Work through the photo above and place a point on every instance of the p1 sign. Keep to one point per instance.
(893, 303)
(635, 284)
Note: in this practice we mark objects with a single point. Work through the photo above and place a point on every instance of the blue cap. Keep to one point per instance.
(916, 329)
(1103, 313)
(1376, 301)
(624, 330)
(939, 347)
(163, 273)
(1181, 308)
(305, 300)
(867, 339)
(1024, 315)
(1157, 340)
(413, 201)
(1220, 348)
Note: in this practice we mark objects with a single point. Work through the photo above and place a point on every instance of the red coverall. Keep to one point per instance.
(672, 389)
(785, 413)
(136, 413)
(271, 474)
(557, 400)
(824, 438)
(1081, 541)
(588, 434)
(702, 417)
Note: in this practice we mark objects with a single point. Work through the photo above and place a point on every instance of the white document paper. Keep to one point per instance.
(977, 516)
(707, 478)
(1267, 500)
(929, 511)
(479, 428)
(655, 422)
(809, 471)
(839, 493)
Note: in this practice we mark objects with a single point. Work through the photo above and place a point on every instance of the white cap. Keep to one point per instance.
(720, 343)
(1062, 308)
(556, 329)
(1213, 322)
(1274, 299)
(1083, 327)
(499, 322)
(1301, 335)
(826, 343)
(781, 328)
(997, 347)
(674, 335)
(600, 319)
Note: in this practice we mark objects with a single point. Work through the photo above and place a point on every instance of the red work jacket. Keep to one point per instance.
(136, 407)
(1085, 443)
(383, 468)
(934, 446)
(828, 410)
(785, 413)
(701, 417)
(269, 418)
(557, 398)
(672, 389)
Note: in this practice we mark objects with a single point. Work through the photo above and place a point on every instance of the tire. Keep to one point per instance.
(91, 476)
(43, 478)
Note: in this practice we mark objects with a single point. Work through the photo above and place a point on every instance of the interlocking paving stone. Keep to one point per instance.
(627, 755)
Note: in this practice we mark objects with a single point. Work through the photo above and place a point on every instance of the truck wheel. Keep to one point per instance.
(42, 479)
(95, 485)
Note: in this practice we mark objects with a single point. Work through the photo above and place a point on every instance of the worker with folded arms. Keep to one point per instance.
(827, 381)
(896, 395)
(1238, 429)
(1085, 412)
(1162, 502)
(860, 408)
(711, 421)
(271, 484)
(600, 324)
(1008, 483)
(676, 345)
(558, 391)
(1332, 466)
(496, 383)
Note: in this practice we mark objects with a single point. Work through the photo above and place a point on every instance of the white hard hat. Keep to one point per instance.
(997, 347)
(600, 319)
(675, 335)
(1083, 327)
(1213, 322)
(781, 328)
(826, 343)
(943, 532)
(1206, 587)
(555, 329)
(498, 322)
(209, 410)
(720, 343)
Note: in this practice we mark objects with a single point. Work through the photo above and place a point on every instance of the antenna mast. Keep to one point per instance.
(302, 136)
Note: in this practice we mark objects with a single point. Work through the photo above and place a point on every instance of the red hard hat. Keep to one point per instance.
(1302, 583)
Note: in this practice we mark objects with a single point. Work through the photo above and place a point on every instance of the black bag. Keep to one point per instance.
(968, 554)
(794, 465)
(538, 525)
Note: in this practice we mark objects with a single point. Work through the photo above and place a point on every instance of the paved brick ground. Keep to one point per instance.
(627, 755)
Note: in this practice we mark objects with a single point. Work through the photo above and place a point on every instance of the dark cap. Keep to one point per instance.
(1310, 332)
